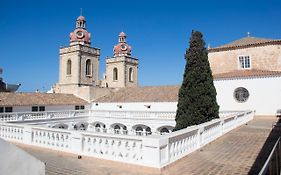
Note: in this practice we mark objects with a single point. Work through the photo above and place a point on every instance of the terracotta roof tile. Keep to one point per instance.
(170, 93)
(245, 42)
(143, 94)
(246, 73)
(28, 99)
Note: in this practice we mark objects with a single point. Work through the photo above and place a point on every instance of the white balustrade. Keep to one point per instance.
(11, 132)
(8, 117)
(154, 150)
(184, 141)
(51, 138)
(134, 114)
(29, 116)
(120, 148)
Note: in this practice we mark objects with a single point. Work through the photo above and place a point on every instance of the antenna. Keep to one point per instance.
(81, 11)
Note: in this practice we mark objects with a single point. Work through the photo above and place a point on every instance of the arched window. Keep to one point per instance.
(68, 67)
(131, 75)
(115, 74)
(88, 67)
(164, 131)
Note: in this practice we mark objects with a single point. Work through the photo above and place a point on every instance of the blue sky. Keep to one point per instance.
(31, 33)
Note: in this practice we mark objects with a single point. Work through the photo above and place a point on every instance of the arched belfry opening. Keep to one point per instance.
(115, 74)
(88, 68)
(68, 69)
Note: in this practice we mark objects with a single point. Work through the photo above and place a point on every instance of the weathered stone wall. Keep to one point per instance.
(78, 55)
(262, 58)
(123, 64)
(88, 93)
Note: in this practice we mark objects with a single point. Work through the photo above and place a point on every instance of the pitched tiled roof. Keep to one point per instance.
(28, 99)
(244, 43)
(143, 94)
(170, 93)
(246, 73)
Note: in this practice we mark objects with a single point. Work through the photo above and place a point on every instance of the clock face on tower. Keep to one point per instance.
(80, 34)
(123, 47)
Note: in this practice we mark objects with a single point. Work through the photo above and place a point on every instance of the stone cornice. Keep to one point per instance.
(218, 49)
(80, 48)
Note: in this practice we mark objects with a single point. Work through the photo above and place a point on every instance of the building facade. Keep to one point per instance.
(247, 74)
(122, 68)
(248, 53)
(79, 66)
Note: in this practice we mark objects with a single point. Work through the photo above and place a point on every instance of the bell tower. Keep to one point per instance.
(79, 62)
(122, 68)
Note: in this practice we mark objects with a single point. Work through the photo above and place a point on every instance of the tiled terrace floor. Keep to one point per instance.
(240, 151)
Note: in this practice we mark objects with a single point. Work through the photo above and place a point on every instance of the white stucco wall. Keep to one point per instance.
(142, 106)
(265, 94)
(48, 108)
(15, 161)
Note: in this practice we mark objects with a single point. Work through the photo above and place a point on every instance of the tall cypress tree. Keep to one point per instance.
(197, 96)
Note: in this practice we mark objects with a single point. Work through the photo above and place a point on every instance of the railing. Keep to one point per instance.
(228, 113)
(180, 143)
(153, 151)
(134, 114)
(122, 148)
(272, 165)
(28, 116)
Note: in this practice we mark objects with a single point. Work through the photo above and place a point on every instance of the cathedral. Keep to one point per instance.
(80, 64)
(247, 72)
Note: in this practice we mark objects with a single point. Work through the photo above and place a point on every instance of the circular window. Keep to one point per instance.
(241, 94)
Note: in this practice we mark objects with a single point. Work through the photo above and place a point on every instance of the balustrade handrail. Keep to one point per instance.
(153, 150)
(202, 125)
(131, 111)
(275, 150)
(36, 112)
(31, 115)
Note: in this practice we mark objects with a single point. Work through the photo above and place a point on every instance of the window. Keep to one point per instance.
(79, 107)
(34, 108)
(244, 62)
(8, 109)
(68, 67)
(41, 108)
(88, 68)
(241, 94)
(131, 75)
(37, 108)
(115, 74)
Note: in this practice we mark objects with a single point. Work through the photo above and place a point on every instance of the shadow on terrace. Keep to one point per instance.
(266, 149)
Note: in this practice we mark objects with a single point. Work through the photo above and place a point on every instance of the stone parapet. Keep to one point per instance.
(122, 59)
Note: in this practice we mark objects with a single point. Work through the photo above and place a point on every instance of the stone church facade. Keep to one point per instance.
(80, 64)
(246, 72)
(248, 53)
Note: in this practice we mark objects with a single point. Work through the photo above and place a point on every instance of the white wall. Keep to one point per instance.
(15, 161)
(265, 94)
(154, 106)
(48, 108)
